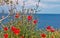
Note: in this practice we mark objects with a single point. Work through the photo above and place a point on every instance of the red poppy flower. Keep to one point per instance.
(13, 28)
(43, 35)
(6, 35)
(17, 31)
(17, 15)
(21, 36)
(52, 36)
(5, 28)
(29, 17)
(52, 30)
(35, 21)
(48, 28)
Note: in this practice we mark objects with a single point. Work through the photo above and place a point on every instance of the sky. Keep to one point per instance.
(51, 6)
(46, 6)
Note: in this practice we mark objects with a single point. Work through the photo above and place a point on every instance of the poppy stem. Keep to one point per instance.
(49, 34)
(17, 36)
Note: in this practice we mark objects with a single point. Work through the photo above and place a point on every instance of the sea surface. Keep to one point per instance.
(43, 20)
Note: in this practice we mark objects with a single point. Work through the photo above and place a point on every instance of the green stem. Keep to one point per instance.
(49, 34)
(17, 36)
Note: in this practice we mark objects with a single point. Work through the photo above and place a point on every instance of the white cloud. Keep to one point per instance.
(41, 5)
(29, 2)
(51, 0)
(33, 3)
(49, 6)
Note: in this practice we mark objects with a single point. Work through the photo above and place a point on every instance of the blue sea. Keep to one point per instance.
(43, 20)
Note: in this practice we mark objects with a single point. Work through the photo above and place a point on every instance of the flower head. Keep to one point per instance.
(5, 28)
(6, 35)
(35, 21)
(52, 30)
(52, 36)
(17, 31)
(13, 28)
(48, 28)
(21, 36)
(17, 15)
(43, 35)
(29, 17)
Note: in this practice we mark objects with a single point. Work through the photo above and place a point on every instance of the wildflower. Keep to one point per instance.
(21, 36)
(6, 35)
(13, 28)
(52, 30)
(5, 28)
(17, 15)
(29, 17)
(52, 36)
(17, 31)
(35, 21)
(48, 28)
(43, 35)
